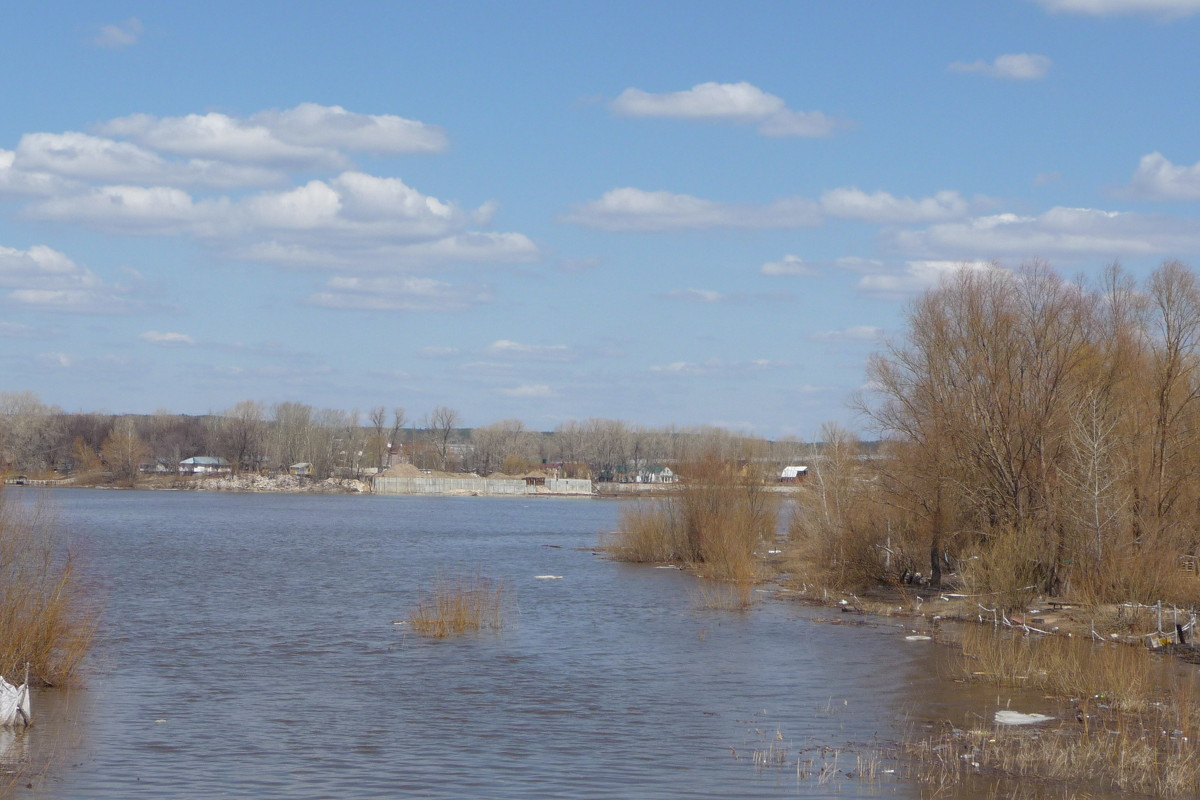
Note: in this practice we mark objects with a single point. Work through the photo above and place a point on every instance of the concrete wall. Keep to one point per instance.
(424, 485)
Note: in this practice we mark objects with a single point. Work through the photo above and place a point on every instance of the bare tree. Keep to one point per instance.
(439, 426)
(124, 451)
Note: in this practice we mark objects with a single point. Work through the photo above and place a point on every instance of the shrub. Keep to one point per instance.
(47, 621)
(713, 524)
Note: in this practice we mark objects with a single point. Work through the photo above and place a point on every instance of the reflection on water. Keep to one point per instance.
(249, 651)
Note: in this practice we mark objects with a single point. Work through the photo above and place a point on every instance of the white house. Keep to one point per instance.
(793, 474)
(204, 465)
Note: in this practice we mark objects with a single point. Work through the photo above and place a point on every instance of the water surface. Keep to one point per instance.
(249, 651)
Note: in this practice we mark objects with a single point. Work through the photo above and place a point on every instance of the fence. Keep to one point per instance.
(430, 485)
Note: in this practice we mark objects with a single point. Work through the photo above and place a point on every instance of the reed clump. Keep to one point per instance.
(48, 619)
(457, 606)
(1131, 722)
(714, 524)
(724, 595)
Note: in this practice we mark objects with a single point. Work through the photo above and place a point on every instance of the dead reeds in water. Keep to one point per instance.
(1129, 721)
(713, 524)
(456, 606)
(47, 618)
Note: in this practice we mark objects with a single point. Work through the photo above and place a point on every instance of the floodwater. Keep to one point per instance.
(249, 651)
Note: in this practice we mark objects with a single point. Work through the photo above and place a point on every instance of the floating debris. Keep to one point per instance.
(1017, 718)
(547, 577)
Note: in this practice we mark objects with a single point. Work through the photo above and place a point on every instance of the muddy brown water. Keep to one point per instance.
(249, 651)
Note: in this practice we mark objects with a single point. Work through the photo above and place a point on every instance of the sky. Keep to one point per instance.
(705, 213)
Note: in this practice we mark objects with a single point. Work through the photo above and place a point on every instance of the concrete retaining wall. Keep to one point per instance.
(424, 485)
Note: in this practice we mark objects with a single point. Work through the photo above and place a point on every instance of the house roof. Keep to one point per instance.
(794, 472)
(204, 461)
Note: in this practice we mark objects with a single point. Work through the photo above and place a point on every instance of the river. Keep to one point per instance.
(249, 650)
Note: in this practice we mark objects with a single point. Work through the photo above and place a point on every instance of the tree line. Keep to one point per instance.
(1040, 435)
(38, 439)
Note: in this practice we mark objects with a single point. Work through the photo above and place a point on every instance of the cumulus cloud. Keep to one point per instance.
(399, 293)
(630, 209)
(1058, 231)
(166, 339)
(1010, 66)
(334, 126)
(307, 136)
(881, 207)
(120, 34)
(1158, 179)
(81, 157)
(1163, 9)
(726, 102)
(47, 280)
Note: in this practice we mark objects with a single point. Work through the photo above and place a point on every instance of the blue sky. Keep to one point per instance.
(662, 212)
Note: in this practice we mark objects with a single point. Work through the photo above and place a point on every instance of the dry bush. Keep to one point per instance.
(646, 533)
(1008, 568)
(47, 621)
(1147, 575)
(455, 606)
(714, 524)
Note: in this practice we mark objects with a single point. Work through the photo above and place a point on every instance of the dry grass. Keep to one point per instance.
(46, 619)
(724, 595)
(1118, 676)
(1131, 724)
(456, 606)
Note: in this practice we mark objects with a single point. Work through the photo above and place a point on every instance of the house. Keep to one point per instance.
(793, 474)
(303, 469)
(204, 465)
(655, 474)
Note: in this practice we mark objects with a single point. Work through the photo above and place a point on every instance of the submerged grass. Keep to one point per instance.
(456, 606)
(1130, 723)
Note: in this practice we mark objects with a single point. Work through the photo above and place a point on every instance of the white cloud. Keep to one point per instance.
(881, 207)
(855, 333)
(506, 348)
(697, 295)
(856, 264)
(788, 265)
(82, 157)
(528, 390)
(1059, 231)
(166, 339)
(917, 276)
(353, 204)
(1163, 9)
(19, 182)
(718, 367)
(726, 102)
(399, 293)
(630, 209)
(47, 280)
(334, 126)
(307, 136)
(221, 137)
(121, 34)
(16, 330)
(61, 360)
(1010, 66)
(1159, 179)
